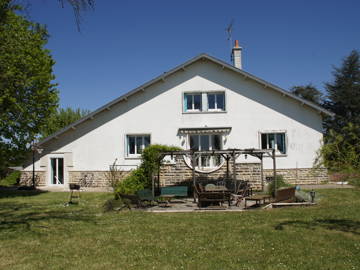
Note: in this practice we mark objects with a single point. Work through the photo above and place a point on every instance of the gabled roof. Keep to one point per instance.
(182, 67)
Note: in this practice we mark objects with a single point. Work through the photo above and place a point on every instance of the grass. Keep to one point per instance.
(38, 232)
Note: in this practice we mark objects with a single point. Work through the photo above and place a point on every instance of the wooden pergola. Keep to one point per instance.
(229, 154)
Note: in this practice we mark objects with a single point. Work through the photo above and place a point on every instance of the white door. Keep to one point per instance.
(57, 171)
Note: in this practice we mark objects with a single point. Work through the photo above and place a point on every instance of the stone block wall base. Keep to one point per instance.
(181, 173)
(301, 176)
(94, 178)
(26, 178)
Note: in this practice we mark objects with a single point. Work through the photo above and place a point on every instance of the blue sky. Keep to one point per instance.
(123, 44)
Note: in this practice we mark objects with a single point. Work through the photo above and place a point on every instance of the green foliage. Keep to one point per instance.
(11, 180)
(150, 159)
(341, 151)
(62, 118)
(344, 95)
(142, 177)
(132, 183)
(354, 180)
(308, 92)
(279, 184)
(27, 95)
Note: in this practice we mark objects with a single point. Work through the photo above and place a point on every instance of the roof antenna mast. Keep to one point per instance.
(229, 30)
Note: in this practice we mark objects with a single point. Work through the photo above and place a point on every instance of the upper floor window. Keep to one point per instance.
(274, 140)
(204, 101)
(192, 102)
(216, 101)
(136, 144)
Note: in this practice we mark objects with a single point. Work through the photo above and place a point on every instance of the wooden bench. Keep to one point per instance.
(177, 191)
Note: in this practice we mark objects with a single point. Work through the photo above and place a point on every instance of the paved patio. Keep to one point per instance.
(188, 205)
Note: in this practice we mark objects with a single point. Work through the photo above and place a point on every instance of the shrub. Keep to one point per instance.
(12, 179)
(279, 183)
(340, 152)
(114, 175)
(142, 177)
(132, 183)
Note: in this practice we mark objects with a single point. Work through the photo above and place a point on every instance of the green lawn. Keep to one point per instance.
(38, 232)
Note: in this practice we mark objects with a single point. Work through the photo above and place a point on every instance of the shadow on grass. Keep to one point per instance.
(342, 225)
(10, 193)
(32, 219)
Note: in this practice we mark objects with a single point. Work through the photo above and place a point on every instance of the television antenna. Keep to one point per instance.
(229, 31)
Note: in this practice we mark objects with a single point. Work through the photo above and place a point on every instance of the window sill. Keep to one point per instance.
(203, 112)
(279, 155)
(133, 157)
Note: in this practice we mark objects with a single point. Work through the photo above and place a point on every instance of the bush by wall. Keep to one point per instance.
(11, 180)
(142, 177)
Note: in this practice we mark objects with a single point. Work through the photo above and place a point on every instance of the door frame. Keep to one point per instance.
(50, 168)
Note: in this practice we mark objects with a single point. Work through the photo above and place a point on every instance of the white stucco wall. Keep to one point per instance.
(250, 108)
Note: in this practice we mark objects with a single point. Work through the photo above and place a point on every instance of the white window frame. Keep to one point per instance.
(216, 109)
(278, 153)
(127, 145)
(212, 161)
(204, 106)
(192, 94)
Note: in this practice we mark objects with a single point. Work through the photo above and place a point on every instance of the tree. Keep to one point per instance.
(308, 92)
(343, 94)
(341, 151)
(78, 6)
(27, 95)
(62, 118)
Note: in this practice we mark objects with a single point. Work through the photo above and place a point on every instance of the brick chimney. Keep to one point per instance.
(236, 55)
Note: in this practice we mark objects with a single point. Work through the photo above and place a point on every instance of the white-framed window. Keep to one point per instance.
(206, 142)
(274, 140)
(135, 144)
(204, 102)
(216, 101)
(192, 102)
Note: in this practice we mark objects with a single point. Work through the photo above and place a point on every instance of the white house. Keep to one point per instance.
(205, 104)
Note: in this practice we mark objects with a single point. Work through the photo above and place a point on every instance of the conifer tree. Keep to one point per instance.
(343, 94)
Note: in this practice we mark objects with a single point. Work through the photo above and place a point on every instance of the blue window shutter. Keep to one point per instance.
(185, 103)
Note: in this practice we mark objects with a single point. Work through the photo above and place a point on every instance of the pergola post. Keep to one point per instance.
(193, 163)
(227, 167)
(262, 172)
(234, 170)
(274, 171)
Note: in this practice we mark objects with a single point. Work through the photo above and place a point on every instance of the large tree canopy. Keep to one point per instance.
(343, 97)
(308, 92)
(62, 118)
(27, 95)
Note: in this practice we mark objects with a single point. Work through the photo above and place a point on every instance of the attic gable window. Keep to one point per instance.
(216, 101)
(192, 102)
(136, 144)
(276, 140)
(204, 102)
